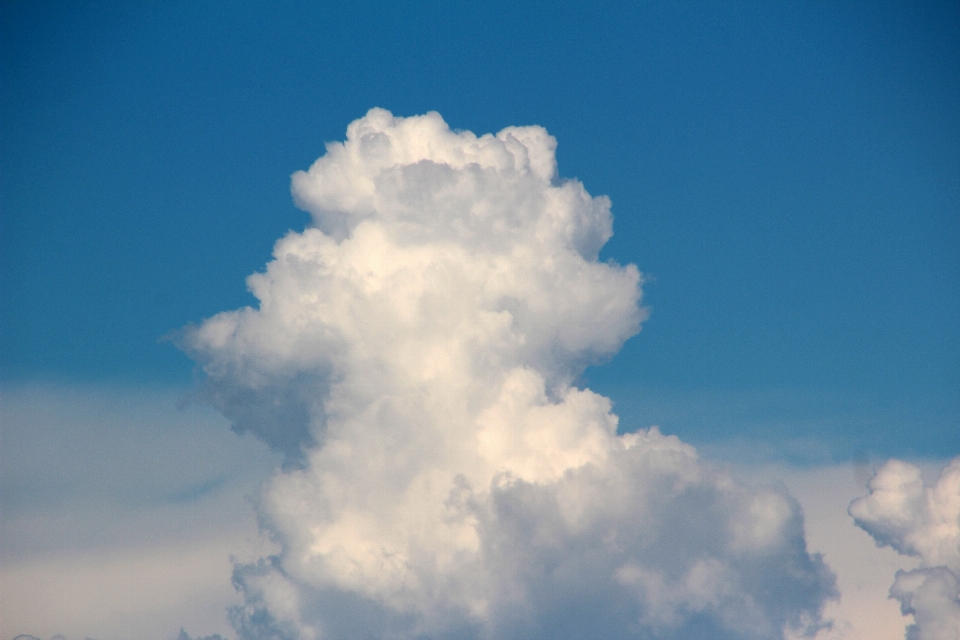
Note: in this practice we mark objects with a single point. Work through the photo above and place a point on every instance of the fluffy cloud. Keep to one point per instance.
(923, 522)
(414, 355)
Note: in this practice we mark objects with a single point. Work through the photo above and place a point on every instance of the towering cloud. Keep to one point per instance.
(923, 522)
(414, 355)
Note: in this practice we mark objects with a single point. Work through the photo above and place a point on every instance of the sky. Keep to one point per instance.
(784, 177)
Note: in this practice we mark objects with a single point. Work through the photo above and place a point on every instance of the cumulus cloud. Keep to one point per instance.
(924, 522)
(414, 355)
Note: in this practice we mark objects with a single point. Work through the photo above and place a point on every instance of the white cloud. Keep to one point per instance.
(863, 610)
(414, 355)
(924, 522)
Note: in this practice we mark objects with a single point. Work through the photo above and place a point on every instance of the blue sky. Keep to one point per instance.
(785, 175)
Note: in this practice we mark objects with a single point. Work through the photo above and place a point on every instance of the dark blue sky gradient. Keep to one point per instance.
(788, 174)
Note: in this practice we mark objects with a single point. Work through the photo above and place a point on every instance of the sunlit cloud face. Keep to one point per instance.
(924, 522)
(414, 356)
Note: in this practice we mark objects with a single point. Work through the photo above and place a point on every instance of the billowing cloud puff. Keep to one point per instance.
(414, 354)
(923, 522)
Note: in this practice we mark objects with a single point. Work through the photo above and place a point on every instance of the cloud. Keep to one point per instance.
(119, 512)
(185, 636)
(414, 355)
(924, 522)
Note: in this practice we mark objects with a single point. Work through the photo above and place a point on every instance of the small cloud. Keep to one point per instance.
(924, 522)
(186, 636)
(196, 491)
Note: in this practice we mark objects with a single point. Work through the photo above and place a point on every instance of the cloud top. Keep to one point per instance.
(414, 354)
